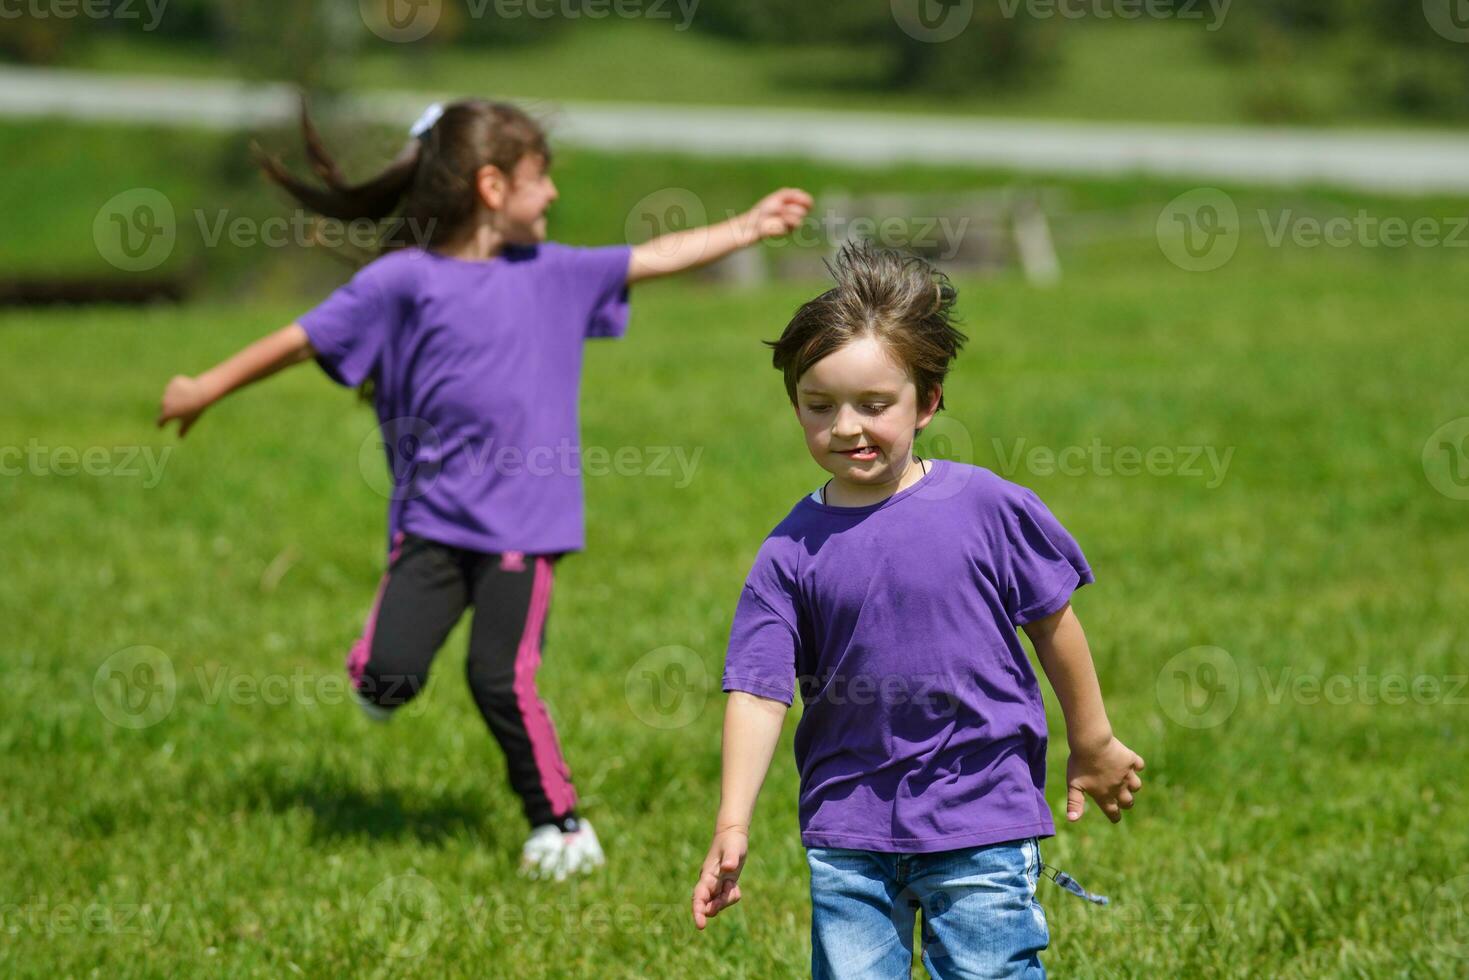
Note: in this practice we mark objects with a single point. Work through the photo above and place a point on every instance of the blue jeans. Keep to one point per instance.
(980, 914)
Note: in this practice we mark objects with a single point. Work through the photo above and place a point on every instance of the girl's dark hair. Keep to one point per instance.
(898, 298)
(430, 185)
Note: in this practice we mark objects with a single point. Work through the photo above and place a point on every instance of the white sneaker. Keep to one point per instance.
(582, 851)
(549, 853)
(541, 853)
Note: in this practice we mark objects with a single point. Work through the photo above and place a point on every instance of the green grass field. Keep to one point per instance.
(260, 827)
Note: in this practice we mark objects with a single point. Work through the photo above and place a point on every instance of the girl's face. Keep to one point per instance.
(859, 409)
(520, 204)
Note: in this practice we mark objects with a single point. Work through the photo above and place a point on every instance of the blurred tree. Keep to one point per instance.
(1388, 53)
(991, 44)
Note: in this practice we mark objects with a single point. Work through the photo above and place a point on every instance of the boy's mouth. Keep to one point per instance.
(860, 453)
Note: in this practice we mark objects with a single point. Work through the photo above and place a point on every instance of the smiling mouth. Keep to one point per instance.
(859, 453)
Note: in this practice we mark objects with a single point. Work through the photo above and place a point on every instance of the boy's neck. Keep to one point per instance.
(841, 493)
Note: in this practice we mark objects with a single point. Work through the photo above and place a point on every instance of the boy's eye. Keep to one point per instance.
(817, 408)
(874, 408)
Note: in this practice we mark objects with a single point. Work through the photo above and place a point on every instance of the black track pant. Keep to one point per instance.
(426, 590)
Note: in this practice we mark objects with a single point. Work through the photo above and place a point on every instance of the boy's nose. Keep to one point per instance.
(846, 425)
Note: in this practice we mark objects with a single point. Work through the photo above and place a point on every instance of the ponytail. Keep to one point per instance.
(375, 200)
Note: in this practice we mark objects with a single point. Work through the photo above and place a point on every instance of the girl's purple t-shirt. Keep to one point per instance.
(476, 367)
(923, 727)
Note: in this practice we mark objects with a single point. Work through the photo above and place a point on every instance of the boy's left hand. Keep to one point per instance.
(781, 213)
(1108, 774)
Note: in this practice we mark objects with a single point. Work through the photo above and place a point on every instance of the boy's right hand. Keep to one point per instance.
(184, 399)
(718, 886)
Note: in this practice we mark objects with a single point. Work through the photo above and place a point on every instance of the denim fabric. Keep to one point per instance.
(980, 914)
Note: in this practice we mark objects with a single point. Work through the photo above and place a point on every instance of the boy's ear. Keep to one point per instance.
(492, 185)
(926, 414)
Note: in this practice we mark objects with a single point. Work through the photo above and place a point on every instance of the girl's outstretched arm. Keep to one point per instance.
(751, 730)
(1100, 766)
(776, 214)
(186, 398)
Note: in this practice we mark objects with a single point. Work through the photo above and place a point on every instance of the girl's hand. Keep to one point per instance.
(718, 886)
(184, 399)
(780, 213)
(1108, 774)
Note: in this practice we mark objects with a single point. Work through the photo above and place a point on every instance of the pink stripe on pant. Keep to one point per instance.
(545, 748)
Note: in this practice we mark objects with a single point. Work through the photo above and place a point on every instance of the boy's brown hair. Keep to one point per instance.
(897, 298)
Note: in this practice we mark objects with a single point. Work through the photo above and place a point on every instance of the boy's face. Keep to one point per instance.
(859, 409)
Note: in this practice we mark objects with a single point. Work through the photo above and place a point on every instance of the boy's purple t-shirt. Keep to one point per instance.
(923, 728)
(476, 367)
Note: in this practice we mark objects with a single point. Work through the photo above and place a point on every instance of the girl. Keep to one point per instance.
(890, 597)
(471, 340)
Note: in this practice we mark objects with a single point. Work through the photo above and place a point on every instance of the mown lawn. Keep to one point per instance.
(256, 825)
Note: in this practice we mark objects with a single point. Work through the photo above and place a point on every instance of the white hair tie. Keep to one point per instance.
(426, 121)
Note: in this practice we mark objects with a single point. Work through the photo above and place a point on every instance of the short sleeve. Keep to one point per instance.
(762, 644)
(598, 281)
(1043, 563)
(350, 328)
